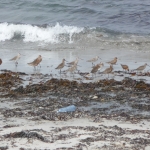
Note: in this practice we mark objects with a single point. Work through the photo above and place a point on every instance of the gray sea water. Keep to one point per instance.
(67, 25)
(113, 16)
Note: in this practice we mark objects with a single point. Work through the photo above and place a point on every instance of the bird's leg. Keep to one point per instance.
(16, 63)
(34, 68)
(92, 76)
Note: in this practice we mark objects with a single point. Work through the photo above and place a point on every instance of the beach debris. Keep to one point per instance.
(3, 147)
(95, 97)
(70, 108)
(26, 134)
(106, 102)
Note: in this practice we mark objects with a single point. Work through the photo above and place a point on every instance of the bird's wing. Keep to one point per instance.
(106, 70)
(14, 58)
(110, 61)
(58, 66)
(31, 63)
(71, 63)
(90, 60)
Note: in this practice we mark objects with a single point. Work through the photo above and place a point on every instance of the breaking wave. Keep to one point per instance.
(35, 33)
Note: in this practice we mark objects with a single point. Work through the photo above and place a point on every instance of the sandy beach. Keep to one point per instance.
(110, 113)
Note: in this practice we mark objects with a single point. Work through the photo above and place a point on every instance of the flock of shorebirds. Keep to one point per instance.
(73, 65)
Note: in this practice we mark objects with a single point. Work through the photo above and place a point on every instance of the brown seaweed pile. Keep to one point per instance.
(47, 97)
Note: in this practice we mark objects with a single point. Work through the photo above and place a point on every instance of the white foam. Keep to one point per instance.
(30, 33)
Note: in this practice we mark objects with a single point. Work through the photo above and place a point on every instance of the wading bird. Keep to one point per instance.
(75, 62)
(93, 59)
(72, 69)
(141, 68)
(96, 68)
(36, 62)
(60, 66)
(113, 62)
(108, 70)
(125, 67)
(16, 58)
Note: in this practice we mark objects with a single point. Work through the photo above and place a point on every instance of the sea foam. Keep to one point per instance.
(33, 33)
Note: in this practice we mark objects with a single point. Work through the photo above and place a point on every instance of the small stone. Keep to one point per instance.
(95, 97)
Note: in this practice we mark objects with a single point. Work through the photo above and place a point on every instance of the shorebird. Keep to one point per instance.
(60, 66)
(113, 62)
(125, 67)
(75, 62)
(108, 70)
(141, 68)
(93, 59)
(36, 62)
(72, 69)
(0, 61)
(101, 65)
(96, 68)
(16, 58)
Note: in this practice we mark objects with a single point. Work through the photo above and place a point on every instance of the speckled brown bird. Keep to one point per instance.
(96, 68)
(125, 67)
(141, 68)
(113, 62)
(75, 62)
(108, 70)
(72, 69)
(93, 59)
(16, 58)
(36, 62)
(0, 61)
(60, 66)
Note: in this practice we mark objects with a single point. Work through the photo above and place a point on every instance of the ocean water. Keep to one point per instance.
(68, 25)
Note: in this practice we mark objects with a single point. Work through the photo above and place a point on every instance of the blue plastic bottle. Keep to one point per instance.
(67, 109)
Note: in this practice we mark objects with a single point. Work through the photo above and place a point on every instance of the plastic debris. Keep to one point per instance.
(67, 109)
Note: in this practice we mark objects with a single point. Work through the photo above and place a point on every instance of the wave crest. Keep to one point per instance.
(33, 33)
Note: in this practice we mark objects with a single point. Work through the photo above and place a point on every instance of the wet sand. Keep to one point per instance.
(51, 59)
(111, 113)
